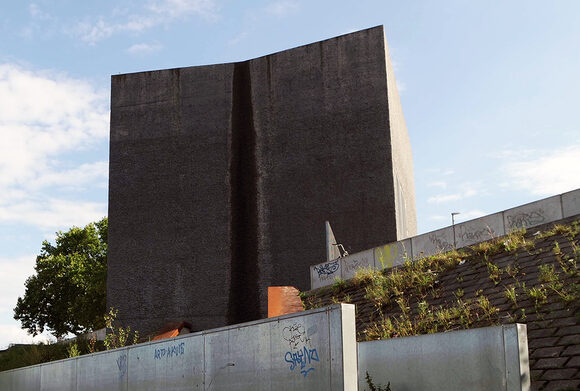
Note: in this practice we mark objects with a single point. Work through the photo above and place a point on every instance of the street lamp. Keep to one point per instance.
(453, 225)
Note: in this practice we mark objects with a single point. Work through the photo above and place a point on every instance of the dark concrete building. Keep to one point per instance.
(222, 176)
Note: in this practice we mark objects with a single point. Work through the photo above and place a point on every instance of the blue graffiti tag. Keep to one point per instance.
(122, 365)
(171, 351)
(303, 358)
(327, 269)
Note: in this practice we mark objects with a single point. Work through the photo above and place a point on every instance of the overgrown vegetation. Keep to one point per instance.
(25, 355)
(67, 293)
(373, 387)
(118, 336)
(18, 356)
(407, 300)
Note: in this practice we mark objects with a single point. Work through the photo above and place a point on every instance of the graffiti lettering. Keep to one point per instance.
(302, 358)
(122, 365)
(441, 244)
(170, 351)
(523, 219)
(481, 235)
(327, 269)
(295, 335)
(351, 265)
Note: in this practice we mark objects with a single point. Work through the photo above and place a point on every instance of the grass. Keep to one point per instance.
(18, 356)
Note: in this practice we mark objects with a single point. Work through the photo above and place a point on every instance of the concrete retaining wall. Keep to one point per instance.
(461, 235)
(313, 350)
(491, 358)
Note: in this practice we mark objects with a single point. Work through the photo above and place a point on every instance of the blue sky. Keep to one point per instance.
(489, 89)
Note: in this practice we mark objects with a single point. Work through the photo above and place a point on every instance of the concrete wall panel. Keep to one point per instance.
(325, 273)
(533, 214)
(392, 254)
(59, 376)
(351, 263)
(479, 230)
(172, 364)
(311, 350)
(468, 360)
(21, 379)
(103, 371)
(571, 203)
(432, 242)
(6, 380)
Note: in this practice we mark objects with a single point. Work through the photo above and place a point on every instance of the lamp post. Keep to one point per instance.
(453, 225)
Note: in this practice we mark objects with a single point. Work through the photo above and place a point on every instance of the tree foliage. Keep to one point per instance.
(67, 294)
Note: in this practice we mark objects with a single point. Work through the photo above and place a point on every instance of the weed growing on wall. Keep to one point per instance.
(118, 337)
(73, 350)
(373, 387)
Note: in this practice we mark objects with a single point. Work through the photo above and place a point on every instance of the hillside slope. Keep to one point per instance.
(526, 277)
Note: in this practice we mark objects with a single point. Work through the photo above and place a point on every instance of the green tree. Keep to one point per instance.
(67, 294)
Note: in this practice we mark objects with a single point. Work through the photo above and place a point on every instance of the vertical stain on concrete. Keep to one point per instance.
(244, 296)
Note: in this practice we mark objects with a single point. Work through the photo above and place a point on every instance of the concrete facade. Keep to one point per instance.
(222, 177)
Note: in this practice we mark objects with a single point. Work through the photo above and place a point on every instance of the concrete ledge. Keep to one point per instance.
(490, 358)
(533, 214)
(464, 234)
(479, 230)
(393, 254)
(351, 263)
(571, 203)
(433, 242)
(325, 273)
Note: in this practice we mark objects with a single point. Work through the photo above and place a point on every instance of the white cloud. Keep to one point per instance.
(172, 9)
(144, 48)
(439, 171)
(76, 178)
(15, 271)
(53, 213)
(154, 13)
(509, 154)
(282, 7)
(44, 116)
(466, 190)
(12, 334)
(470, 214)
(438, 199)
(444, 198)
(238, 38)
(547, 173)
(36, 12)
(439, 184)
